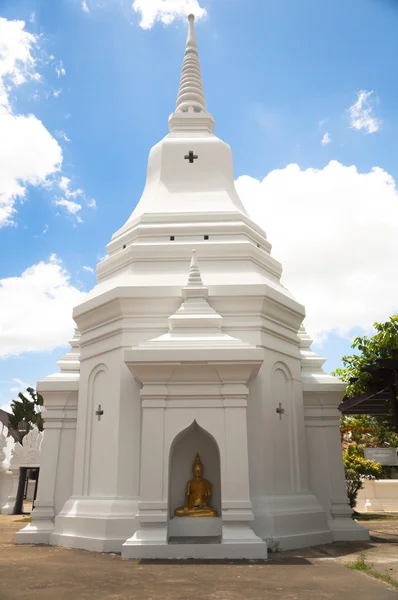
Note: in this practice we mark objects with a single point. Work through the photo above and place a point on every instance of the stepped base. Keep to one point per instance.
(347, 530)
(188, 548)
(291, 521)
(37, 532)
(96, 524)
(92, 544)
(237, 541)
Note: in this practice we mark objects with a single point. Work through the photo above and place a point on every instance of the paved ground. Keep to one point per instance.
(46, 573)
(381, 553)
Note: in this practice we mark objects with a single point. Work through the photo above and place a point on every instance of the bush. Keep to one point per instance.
(357, 470)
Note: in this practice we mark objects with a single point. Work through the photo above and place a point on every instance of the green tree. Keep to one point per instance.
(26, 412)
(371, 431)
(361, 371)
(357, 470)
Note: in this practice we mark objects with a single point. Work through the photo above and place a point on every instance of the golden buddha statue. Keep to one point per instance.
(197, 495)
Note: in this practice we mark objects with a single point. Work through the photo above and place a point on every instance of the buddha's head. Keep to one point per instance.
(197, 467)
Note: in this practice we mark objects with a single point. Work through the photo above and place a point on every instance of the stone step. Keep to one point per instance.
(195, 540)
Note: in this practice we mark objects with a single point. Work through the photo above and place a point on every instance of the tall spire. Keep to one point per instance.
(191, 97)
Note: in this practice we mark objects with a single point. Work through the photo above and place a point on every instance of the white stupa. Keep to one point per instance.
(170, 360)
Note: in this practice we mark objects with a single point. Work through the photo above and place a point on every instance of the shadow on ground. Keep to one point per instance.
(49, 573)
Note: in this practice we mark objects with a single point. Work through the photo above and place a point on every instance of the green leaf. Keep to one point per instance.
(27, 409)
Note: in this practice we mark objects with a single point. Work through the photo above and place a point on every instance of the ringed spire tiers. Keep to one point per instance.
(191, 105)
(191, 96)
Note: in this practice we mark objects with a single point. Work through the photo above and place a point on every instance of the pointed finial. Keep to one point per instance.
(197, 460)
(190, 95)
(191, 39)
(194, 277)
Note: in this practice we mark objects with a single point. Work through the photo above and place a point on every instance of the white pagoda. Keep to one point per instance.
(189, 344)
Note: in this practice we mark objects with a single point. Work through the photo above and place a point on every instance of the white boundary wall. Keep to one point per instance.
(378, 496)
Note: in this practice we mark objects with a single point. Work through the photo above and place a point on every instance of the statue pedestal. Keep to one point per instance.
(193, 527)
(197, 538)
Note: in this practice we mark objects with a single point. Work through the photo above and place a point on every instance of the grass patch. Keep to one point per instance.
(373, 517)
(360, 564)
(24, 520)
(386, 577)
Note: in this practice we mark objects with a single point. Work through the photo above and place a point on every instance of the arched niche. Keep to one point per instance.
(183, 450)
(281, 386)
(99, 435)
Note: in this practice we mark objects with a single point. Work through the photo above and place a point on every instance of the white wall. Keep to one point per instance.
(8, 451)
(65, 463)
(378, 496)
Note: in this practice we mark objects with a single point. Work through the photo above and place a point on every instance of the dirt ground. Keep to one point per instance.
(52, 573)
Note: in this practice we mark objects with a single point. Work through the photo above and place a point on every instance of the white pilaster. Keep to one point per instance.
(152, 507)
(8, 507)
(326, 465)
(59, 419)
(322, 395)
(100, 512)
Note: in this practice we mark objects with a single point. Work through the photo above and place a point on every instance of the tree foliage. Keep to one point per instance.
(357, 470)
(371, 431)
(357, 370)
(26, 412)
(361, 371)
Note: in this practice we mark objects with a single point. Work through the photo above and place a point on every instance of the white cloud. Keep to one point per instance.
(60, 69)
(17, 64)
(62, 135)
(28, 153)
(18, 385)
(37, 308)
(89, 269)
(71, 207)
(56, 93)
(335, 232)
(166, 11)
(326, 139)
(68, 201)
(361, 113)
(85, 6)
(43, 233)
(64, 183)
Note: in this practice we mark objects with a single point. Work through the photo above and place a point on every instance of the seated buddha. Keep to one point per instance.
(198, 495)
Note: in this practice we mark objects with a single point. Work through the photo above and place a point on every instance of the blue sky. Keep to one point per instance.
(279, 77)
